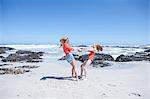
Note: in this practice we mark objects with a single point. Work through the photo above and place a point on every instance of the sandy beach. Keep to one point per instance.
(41, 40)
(130, 80)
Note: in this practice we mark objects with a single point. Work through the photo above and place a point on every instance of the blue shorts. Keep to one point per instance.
(69, 58)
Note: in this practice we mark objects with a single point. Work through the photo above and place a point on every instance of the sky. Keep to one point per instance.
(83, 21)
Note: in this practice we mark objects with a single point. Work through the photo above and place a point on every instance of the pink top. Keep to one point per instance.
(67, 49)
(91, 55)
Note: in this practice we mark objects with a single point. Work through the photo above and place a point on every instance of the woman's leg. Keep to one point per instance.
(74, 69)
(83, 69)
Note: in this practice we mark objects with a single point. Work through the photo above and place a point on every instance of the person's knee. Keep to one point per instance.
(73, 68)
(82, 66)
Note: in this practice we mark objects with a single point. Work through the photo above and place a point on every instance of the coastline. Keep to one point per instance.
(51, 79)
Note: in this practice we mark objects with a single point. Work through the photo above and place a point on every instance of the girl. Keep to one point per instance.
(69, 57)
(91, 55)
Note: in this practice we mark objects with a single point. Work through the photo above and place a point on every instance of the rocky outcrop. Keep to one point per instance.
(29, 52)
(148, 50)
(12, 71)
(7, 48)
(82, 46)
(123, 58)
(98, 63)
(103, 57)
(2, 57)
(15, 58)
(98, 57)
(23, 52)
(16, 70)
(5, 64)
(27, 67)
(26, 56)
(138, 56)
(4, 49)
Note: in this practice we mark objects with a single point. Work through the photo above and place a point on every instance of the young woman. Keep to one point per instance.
(69, 57)
(95, 48)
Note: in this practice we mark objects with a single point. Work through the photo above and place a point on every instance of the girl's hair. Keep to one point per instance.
(98, 47)
(64, 40)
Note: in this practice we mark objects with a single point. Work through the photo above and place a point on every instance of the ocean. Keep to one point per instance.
(53, 51)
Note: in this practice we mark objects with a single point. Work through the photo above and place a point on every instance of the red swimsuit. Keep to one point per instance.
(67, 49)
(91, 55)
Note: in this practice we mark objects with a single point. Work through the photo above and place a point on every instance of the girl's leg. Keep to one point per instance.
(83, 69)
(72, 72)
(74, 69)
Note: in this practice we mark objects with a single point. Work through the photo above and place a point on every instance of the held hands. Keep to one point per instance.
(79, 50)
(82, 50)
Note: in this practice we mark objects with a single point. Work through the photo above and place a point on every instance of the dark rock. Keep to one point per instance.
(140, 53)
(4, 49)
(40, 53)
(148, 57)
(104, 57)
(2, 57)
(82, 46)
(34, 61)
(98, 56)
(26, 56)
(98, 63)
(7, 48)
(17, 70)
(15, 58)
(27, 66)
(23, 52)
(138, 56)
(148, 50)
(135, 94)
(4, 64)
(34, 55)
(123, 58)
(26, 71)
(30, 52)
(10, 71)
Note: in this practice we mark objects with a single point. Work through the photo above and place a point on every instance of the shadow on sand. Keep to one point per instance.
(57, 78)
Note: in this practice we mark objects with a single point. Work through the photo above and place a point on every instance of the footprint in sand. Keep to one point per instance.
(104, 95)
(135, 94)
(112, 85)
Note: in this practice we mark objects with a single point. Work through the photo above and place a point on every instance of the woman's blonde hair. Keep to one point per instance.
(98, 47)
(65, 40)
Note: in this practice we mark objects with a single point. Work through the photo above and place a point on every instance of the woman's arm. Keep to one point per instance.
(68, 47)
(86, 50)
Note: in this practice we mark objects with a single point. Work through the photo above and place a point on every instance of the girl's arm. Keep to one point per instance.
(72, 49)
(68, 47)
(91, 51)
(85, 50)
